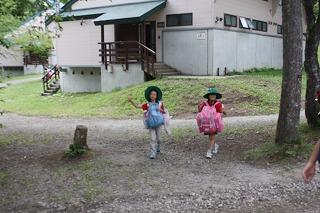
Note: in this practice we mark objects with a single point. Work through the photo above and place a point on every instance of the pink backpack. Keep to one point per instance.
(209, 120)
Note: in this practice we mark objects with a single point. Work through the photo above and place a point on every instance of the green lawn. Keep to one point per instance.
(21, 77)
(252, 93)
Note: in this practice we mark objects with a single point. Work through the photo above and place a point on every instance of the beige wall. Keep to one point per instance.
(11, 57)
(78, 44)
(254, 9)
(206, 11)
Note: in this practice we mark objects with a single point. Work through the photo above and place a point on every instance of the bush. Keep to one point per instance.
(76, 150)
(35, 42)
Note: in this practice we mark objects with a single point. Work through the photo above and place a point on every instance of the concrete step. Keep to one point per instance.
(54, 87)
(165, 70)
(46, 94)
(169, 73)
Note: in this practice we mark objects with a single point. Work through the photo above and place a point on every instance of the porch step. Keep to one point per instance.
(163, 70)
(53, 88)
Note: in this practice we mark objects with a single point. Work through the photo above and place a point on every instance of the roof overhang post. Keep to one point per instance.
(102, 46)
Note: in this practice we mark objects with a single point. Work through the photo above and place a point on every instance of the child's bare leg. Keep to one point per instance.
(212, 141)
(211, 146)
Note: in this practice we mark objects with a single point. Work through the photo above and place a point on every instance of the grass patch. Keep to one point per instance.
(274, 152)
(270, 151)
(20, 138)
(3, 178)
(252, 93)
(179, 134)
(20, 77)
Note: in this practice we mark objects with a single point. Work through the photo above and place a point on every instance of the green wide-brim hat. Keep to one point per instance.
(150, 89)
(213, 91)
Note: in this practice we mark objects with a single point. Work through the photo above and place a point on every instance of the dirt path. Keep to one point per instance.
(118, 177)
(31, 123)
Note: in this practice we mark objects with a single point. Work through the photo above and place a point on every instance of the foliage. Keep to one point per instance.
(273, 152)
(36, 42)
(75, 150)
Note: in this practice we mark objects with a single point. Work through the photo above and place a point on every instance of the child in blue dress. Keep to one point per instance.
(154, 111)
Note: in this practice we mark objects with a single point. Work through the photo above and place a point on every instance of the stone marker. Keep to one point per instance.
(80, 136)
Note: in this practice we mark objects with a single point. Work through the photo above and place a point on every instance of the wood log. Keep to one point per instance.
(80, 136)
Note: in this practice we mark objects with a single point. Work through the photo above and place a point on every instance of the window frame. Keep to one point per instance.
(261, 23)
(279, 32)
(247, 23)
(231, 16)
(179, 24)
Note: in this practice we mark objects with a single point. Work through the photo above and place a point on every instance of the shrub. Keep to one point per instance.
(75, 150)
(35, 42)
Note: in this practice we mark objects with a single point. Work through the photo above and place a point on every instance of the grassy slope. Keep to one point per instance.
(22, 77)
(247, 94)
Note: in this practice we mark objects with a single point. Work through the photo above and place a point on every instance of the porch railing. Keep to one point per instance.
(128, 52)
(50, 75)
(33, 60)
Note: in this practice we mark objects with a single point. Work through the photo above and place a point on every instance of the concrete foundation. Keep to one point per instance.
(33, 69)
(205, 51)
(115, 77)
(81, 79)
(12, 71)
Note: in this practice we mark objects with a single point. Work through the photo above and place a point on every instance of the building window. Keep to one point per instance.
(230, 20)
(260, 25)
(179, 20)
(279, 29)
(245, 23)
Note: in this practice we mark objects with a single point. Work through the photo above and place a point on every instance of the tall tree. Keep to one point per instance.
(311, 63)
(289, 115)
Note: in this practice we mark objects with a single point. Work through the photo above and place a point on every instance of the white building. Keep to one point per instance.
(194, 37)
(14, 61)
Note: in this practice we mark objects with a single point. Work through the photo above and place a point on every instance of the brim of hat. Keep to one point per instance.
(153, 88)
(218, 95)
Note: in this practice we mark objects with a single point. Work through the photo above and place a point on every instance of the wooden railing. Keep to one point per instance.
(128, 52)
(50, 75)
(33, 60)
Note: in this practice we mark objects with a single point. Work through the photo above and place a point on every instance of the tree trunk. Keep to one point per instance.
(311, 63)
(80, 136)
(289, 115)
(312, 69)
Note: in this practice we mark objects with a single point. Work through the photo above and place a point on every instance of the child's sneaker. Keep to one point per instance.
(153, 154)
(209, 154)
(215, 149)
(158, 149)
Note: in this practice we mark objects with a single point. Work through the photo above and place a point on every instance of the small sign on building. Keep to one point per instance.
(201, 36)
(160, 24)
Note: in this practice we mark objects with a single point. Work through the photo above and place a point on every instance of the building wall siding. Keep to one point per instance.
(184, 52)
(221, 49)
(115, 77)
(11, 57)
(78, 45)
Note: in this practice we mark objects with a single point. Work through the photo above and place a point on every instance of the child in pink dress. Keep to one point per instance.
(209, 119)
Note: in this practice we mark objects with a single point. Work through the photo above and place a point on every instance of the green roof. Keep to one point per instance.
(120, 13)
(84, 12)
(130, 13)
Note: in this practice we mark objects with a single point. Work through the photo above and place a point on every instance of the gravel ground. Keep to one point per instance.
(117, 176)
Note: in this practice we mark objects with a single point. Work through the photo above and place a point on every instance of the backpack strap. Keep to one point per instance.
(160, 105)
